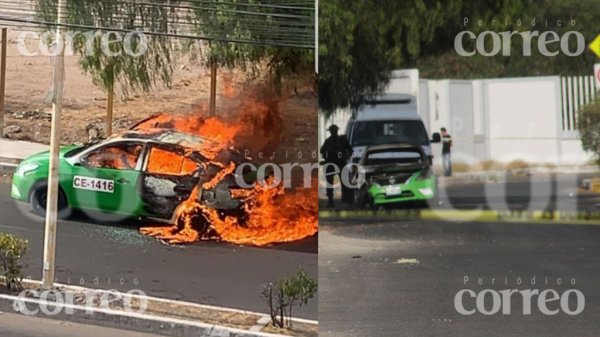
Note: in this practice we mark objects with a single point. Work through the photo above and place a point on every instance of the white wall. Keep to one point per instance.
(523, 119)
(499, 119)
(502, 119)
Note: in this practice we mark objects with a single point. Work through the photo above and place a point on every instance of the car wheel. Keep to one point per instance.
(39, 198)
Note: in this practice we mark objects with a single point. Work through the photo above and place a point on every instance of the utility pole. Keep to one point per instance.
(213, 88)
(53, 176)
(3, 78)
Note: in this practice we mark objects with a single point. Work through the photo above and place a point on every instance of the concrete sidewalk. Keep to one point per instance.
(13, 151)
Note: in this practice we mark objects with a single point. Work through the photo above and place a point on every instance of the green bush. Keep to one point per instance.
(12, 249)
(588, 122)
(284, 294)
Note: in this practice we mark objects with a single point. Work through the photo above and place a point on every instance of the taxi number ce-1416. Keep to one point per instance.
(93, 184)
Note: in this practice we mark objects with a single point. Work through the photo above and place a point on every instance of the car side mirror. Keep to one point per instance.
(436, 138)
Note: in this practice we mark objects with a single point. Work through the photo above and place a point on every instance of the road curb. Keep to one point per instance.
(140, 322)
(562, 217)
(124, 320)
(34, 284)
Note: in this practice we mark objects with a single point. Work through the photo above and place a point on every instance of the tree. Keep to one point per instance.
(441, 61)
(361, 41)
(240, 33)
(285, 293)
(106, 58)
(278, 36)
(588, 121)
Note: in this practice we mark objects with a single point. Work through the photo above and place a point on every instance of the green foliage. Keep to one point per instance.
(285, 294)
(12, 249)
(267, 33)
(128, 72)
(361, 41)
(442, 61)
(588, 121)
(241, 33)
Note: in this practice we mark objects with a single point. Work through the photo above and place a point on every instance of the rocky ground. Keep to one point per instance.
(28, 111)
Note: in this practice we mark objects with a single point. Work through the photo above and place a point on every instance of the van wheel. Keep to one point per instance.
(39, 197)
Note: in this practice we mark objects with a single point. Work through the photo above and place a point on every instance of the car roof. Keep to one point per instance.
(389, 107)
(167, 136)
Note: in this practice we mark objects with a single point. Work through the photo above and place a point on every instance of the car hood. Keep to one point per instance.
(45, 156)
(394, 168)
(358, 151)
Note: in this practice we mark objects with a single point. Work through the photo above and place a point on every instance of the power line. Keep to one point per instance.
(196, 37)
(287, 32)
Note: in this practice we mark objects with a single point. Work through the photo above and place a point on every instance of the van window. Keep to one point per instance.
(368, 133)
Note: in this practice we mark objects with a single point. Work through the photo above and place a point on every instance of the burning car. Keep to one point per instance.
(164, 168)
(139, 173)
(395, 174)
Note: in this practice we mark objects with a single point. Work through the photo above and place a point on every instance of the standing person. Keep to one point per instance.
(335, 151)
(446, 146)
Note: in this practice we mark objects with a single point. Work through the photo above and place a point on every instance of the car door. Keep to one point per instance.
(168, 178)
(107, 179)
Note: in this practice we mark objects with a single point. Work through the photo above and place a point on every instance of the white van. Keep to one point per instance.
(388, 119)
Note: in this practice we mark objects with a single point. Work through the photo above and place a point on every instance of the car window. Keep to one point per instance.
(367, 133)
(76, 151)
(162, 161)
(123, 156)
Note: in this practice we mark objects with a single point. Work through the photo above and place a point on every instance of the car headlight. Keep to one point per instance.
(26, 168)
(426, 191)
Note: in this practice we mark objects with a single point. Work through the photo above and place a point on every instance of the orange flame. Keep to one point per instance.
(270, 214)
(228, 88)
(273, 216)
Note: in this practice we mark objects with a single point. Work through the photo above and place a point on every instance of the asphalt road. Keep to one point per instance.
(12, 325)
(400, 278)
(537, 192)
(115, 256)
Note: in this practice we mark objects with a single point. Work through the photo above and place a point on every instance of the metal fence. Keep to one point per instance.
(577, 91)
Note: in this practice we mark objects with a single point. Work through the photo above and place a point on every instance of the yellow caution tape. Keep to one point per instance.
(567, 217)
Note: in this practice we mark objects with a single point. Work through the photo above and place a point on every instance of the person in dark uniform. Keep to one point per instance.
(335, 151)
(446, 150)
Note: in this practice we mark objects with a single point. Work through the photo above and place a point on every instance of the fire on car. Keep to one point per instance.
(180, 170)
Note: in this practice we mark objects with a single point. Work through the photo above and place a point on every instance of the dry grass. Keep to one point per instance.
(517, 164)
(490, 165)
(460, 167)
(298, 330)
